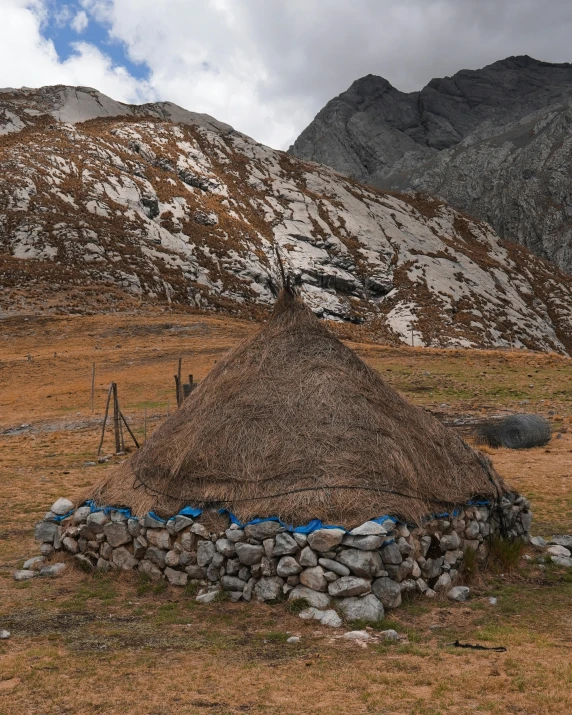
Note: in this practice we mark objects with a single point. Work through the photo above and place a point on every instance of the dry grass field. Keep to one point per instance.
(89, 643)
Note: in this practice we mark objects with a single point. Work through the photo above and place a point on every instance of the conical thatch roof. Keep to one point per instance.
(292, 423)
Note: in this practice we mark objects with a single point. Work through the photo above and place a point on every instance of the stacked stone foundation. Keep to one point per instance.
(361, 572)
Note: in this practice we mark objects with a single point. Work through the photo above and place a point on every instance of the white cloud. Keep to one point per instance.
(267, 67)
(27, 59)
(80, 22)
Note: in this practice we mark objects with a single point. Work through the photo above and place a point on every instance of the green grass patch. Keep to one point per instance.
(504, 554)
(297, 605)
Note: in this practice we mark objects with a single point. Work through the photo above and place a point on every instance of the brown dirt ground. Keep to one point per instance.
(98, 643)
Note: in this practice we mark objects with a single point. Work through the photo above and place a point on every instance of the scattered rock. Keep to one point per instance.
(331, 618)
(53, 570)
(4, 635)
(538, 542)
(207, 597)
(562, 561)
(558, 550)
(24, 574)
(314, 598)
(561, 540)
(312, 613)
(357, 636)
(35, 563)
(458, 593)
(390, 635)
(292, 639)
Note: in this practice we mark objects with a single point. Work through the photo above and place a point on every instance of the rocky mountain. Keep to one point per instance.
(104, 205)
(495, 142)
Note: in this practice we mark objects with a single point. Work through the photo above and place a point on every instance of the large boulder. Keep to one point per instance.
(348, 586)
(325, 539)
(388, 592)
(268, 588)
(314, 578)
(368, 608)
(249, 554)
(314, 598)
(361, 563)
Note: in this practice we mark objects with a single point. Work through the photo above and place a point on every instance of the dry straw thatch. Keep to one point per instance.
(293, 423)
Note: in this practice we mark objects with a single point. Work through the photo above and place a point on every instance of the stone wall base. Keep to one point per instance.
(362, 572)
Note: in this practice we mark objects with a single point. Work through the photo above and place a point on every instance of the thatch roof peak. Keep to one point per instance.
(292, 423)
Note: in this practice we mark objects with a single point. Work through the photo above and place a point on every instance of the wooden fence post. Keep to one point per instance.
(116, 419)
(93, 388)
(105, 418)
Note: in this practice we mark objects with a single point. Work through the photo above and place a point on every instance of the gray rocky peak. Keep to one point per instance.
(491, 141)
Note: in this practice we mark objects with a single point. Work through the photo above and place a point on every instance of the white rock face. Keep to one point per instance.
(190, 213)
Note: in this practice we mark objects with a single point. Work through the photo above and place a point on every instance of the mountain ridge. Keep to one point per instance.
(137, 208)
(481, 140)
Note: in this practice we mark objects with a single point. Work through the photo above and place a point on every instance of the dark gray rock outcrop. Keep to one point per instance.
(495, 142)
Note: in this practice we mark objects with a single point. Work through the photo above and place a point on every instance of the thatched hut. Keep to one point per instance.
(292, 423)
(292, 436)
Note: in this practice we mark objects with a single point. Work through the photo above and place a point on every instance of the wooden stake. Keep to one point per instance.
(116, 419)
(121, 437)
(129, 429)
(177, 391)
(93, 388)
(145, 427)
(105, 418)
(191, 382)
(179, 385)
(412, 338)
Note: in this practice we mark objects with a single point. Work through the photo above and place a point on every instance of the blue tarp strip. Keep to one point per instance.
(313, 525)
(58, 519)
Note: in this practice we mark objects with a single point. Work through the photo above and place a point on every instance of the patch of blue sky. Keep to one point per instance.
(64, 32)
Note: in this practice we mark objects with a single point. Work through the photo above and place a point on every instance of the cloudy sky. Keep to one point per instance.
(266, 66)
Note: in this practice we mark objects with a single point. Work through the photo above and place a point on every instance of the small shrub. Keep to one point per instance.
(192, 588)
(470, 567)
(297, 605)
(144, 585)
(504, 554)
(276, 637)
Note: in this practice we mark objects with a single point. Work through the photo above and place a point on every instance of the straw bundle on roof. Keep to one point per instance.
(293, 423)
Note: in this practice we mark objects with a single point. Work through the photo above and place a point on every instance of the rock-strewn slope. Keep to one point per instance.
(496, 143)
(190, 213)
